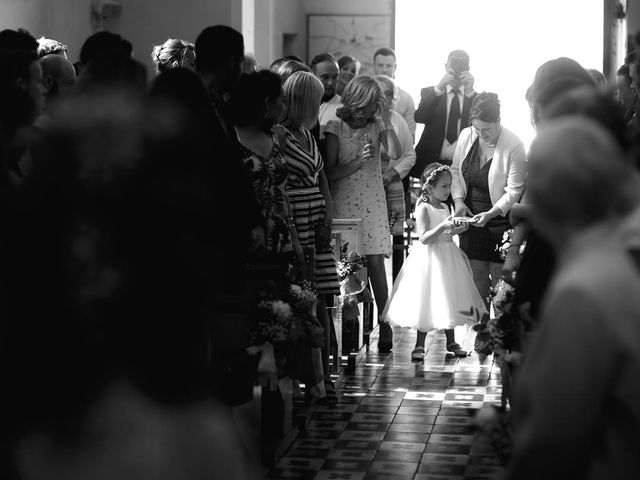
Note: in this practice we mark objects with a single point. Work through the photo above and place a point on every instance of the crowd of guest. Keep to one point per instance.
(145, 217)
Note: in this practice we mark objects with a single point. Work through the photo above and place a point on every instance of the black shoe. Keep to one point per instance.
(384, 347)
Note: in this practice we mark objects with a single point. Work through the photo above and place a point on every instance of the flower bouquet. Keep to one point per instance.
(273, 323)
(350, 262)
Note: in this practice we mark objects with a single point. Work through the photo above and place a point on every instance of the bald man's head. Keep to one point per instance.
(58, 75)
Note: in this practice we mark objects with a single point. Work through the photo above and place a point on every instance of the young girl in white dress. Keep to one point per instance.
(435, 288)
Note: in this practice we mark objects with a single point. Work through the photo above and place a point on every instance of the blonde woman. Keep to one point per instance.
(355, 173)
(308, 191)
(174, 53)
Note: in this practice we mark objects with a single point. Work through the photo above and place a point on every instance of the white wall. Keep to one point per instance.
(148, 23)
(29, 14)
(350, 7)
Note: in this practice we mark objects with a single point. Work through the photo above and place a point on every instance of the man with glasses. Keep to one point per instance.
(444, 109)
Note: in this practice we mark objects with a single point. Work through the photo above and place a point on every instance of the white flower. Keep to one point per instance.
(281, 310)
(295, 290)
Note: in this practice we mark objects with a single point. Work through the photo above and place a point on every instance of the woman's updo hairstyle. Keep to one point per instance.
(359, 93)
(172, 53)
(485, 107)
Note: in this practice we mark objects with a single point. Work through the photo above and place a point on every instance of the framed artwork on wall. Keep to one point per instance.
(356, 35)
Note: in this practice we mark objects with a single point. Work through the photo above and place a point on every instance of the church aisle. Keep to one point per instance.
(401, 420)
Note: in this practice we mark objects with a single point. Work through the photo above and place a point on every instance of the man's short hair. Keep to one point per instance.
(216, 46)
(320, 58)
(384, 51)
(104, 43)
(47, 46)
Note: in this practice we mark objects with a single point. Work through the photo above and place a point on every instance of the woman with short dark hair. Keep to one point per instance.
(488, 177)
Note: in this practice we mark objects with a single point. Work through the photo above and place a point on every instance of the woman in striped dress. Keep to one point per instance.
(308, 190)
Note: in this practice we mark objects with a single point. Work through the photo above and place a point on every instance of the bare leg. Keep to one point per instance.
(378, 277)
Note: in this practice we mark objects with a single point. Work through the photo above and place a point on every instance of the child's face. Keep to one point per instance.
(442, 188)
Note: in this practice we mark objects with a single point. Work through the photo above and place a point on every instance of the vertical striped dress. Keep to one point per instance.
(303, 167)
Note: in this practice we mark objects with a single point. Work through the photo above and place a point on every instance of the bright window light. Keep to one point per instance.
(507, 40)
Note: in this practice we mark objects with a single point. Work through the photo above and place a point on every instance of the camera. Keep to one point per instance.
(459, 65)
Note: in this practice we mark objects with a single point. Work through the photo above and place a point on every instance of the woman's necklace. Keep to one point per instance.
(495, 140)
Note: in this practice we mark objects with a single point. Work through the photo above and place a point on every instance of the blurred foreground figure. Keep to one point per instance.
(575, 418)
(105, 284)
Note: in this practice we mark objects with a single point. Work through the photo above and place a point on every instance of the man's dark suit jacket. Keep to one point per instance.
(432, 111)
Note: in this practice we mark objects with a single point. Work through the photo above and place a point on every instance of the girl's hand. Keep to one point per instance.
(460, 228)
(449, 223)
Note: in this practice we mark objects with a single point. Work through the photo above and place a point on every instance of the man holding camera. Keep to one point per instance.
(444, 109)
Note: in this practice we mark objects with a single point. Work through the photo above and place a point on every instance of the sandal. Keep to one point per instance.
(456, 350)
(417, 354)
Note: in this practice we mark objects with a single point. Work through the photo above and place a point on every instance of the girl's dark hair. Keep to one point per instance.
(430, 176)
(485, 107)
(247, 102)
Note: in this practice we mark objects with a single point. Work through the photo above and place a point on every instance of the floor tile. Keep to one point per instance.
(402, 446)
(291, 474)
(394, 456)
(313, 443)
(454, 429)
(410, 427)
(300, 463)
(452, 439)
(351, 454)
(356, 445)
(410, 437)
(309, 453)
(367, 426)
(415, 419)
(439, 469)
(396, 468)
(428, 476)
(482, 471)
(434, 458)
(447, 449)
(356, 435)
(451, 420)
(346, 465)
(339, 475)
(373, 417)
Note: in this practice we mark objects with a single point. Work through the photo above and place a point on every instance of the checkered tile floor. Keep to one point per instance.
(396, 419)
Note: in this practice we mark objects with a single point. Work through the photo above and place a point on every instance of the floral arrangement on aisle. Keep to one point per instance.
(350, 262)
(304, 299)
(273, 324)
(353, 291)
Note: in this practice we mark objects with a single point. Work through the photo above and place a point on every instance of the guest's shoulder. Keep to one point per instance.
(427, 91)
